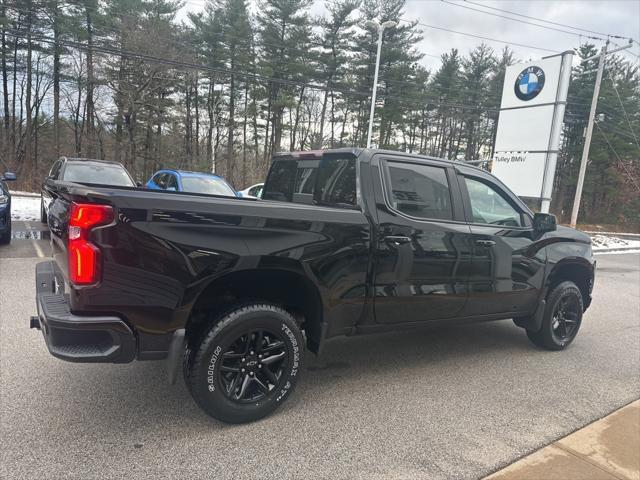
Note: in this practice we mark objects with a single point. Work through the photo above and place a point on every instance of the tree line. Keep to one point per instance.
(138, 82)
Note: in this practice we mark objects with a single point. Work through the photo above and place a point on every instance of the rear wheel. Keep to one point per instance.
(562, 318)
(246, 365)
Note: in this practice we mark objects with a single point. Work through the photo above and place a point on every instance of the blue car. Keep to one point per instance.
(192, 182)
(5, 208)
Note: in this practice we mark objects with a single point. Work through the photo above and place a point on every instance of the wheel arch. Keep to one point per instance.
(576, 270)
(287, 289)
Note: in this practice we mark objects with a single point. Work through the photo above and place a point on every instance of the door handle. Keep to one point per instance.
(485, 243)
(397, 239)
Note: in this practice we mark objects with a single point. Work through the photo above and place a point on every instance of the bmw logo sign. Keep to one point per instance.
(529, 83)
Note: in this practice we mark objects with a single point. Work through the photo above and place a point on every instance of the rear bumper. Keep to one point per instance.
(74, 338)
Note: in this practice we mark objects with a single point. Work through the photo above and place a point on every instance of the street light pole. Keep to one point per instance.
(380, 27)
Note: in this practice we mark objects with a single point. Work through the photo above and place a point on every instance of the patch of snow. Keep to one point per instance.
(25, 209)
(605, 242)
(616, 252)
(26, 194)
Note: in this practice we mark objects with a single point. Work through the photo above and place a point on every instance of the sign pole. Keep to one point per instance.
(556, 130)
(587, 140)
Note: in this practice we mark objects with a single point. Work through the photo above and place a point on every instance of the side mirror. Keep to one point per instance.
(544, 222)
(9, 177)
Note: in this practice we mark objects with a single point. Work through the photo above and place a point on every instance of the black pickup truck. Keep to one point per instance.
(343, 242)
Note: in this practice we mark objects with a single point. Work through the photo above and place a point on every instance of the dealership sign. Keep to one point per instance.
(528, 135)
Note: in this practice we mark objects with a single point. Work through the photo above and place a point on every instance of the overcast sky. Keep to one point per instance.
(619, 17)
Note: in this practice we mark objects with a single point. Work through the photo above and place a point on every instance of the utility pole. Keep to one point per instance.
(587, 139)
(380, 27)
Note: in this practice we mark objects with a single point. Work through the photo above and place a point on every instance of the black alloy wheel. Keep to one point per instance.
(246, 364)
(253, 366)
(565, 317)
(561, 319)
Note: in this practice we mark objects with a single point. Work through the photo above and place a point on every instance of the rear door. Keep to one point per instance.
(423, 250)
(506, 271)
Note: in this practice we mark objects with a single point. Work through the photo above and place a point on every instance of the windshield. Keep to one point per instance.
(208, 185)
(101, 173)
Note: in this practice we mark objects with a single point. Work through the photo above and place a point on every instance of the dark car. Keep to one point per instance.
(344, 242)
(83, 170)
(5, 208)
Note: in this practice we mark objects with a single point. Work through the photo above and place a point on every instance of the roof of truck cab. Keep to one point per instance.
(370, 152)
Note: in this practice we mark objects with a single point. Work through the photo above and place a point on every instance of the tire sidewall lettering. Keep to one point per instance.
(211, 369)
(295, 363)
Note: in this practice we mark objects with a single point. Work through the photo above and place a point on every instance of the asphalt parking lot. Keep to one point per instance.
(441, 403)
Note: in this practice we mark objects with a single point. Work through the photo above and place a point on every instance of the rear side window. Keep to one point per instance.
(419, 190)
(336, 182)
(279, 184)
(330, 181)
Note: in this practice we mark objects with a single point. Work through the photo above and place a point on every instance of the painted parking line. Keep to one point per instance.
(34, 241)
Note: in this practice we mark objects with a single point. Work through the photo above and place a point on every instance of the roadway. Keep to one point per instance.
(455, 402)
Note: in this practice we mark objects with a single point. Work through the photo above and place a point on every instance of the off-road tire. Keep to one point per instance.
(547, 337)
(205, 356)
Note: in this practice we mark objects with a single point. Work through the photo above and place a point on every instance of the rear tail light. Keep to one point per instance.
(84, 256)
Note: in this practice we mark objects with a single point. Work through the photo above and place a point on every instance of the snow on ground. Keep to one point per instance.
(604, 242)
(25, 208)
(26, 194)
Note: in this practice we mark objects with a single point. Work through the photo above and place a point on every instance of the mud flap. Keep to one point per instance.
(534, 322)
(176, 351)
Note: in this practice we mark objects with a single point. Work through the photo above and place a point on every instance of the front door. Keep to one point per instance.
(507, 270)
(423, 251)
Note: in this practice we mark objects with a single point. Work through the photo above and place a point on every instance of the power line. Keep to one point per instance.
(522, 21)
(489, 39)
(543, 20)
(618, 157)
(624, 110)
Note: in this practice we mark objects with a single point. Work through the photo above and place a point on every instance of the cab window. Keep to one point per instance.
(489, 206)
(417, 190)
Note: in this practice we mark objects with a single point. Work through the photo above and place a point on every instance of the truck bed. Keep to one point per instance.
(165, 248)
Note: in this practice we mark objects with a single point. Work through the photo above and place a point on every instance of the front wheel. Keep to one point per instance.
(246, 365)
(562, 318)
